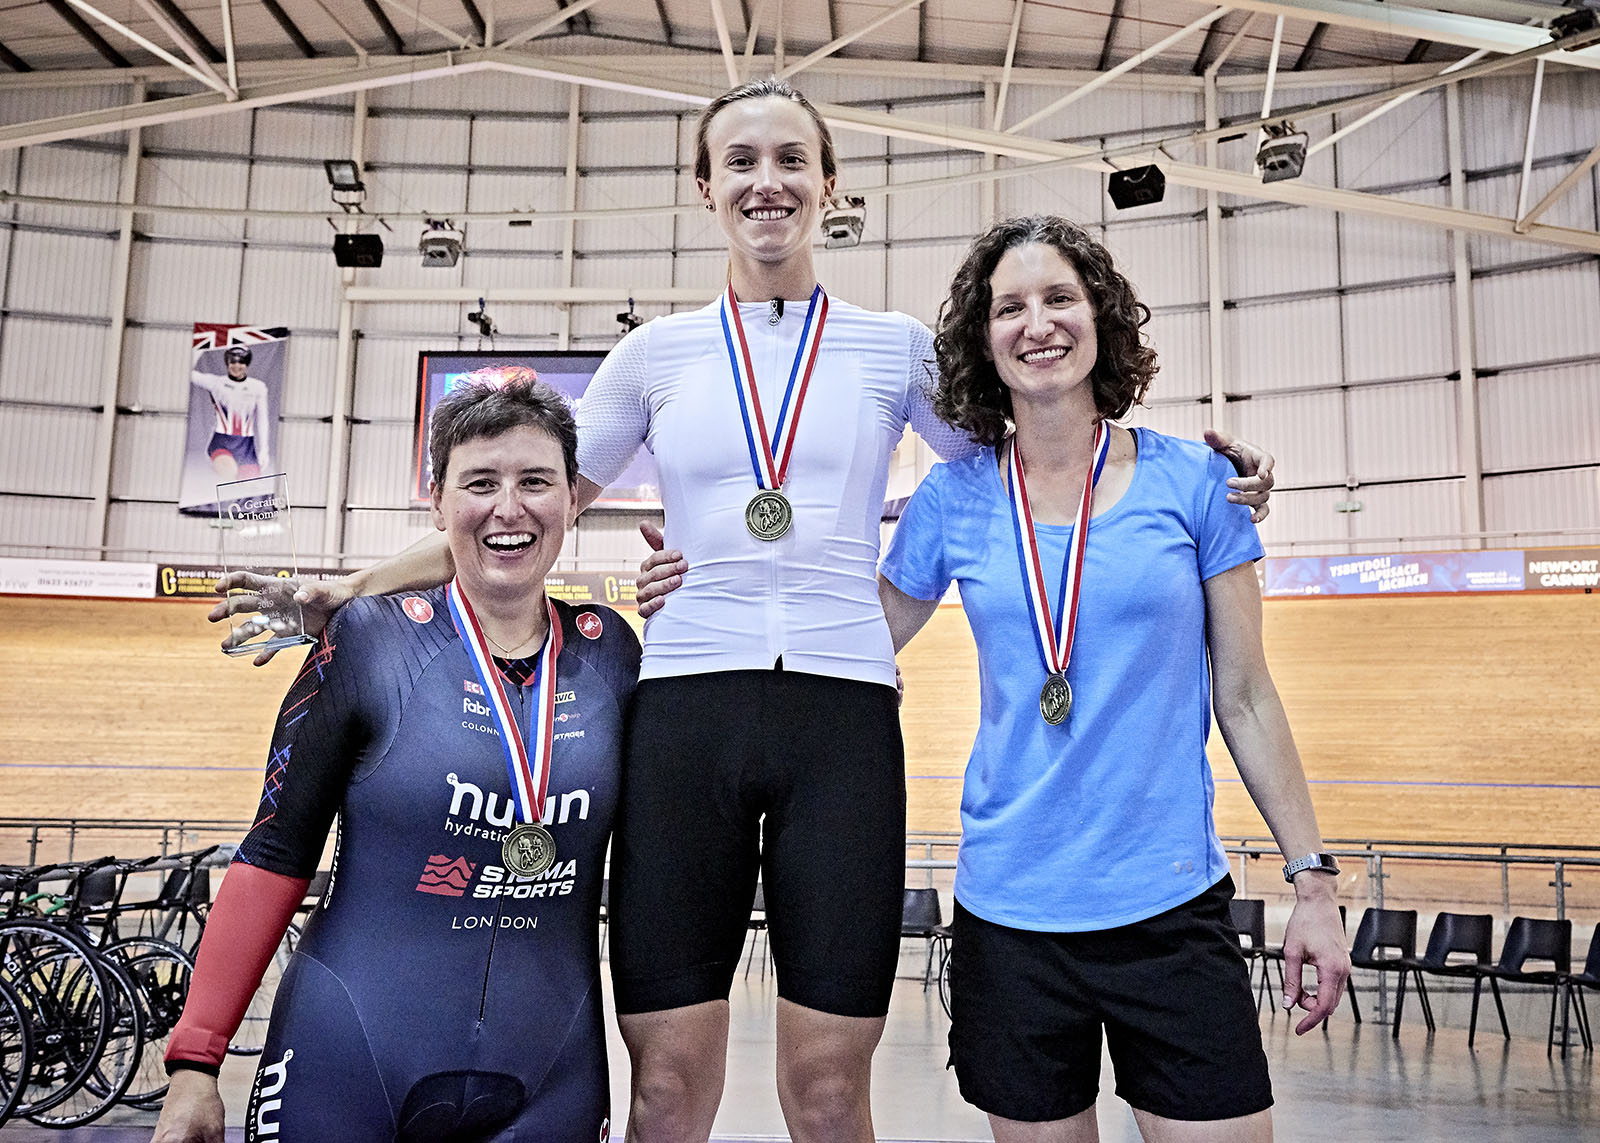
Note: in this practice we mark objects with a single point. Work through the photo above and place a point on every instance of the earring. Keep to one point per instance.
(711, 206)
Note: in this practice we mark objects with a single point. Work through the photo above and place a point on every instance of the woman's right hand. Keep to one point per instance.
(318, 601)
(661, 573)
(192, 1112)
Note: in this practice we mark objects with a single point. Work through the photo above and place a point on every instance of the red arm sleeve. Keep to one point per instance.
(248, 919)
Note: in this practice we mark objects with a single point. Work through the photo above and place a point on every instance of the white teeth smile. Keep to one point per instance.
(509, 541)
(768, 214)
(1054, 353)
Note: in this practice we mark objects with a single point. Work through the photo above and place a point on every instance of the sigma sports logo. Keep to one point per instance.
(487, 816)
(270, 1080)
(419, 610)
(445, 877)
(589, 625)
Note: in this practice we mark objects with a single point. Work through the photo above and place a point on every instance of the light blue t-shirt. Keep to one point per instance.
(1105, 819)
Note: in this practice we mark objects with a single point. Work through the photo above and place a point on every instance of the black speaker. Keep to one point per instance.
(1136, 186)
(363, 251)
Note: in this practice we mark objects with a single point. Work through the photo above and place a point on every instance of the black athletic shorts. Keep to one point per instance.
(1172, 993)
(797, 777)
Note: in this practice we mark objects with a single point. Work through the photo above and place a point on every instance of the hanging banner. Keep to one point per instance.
(235, 397)
(1394, 574)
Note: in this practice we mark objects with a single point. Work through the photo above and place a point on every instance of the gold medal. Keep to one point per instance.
(528, 850)
(1055, 699)
(768, 515)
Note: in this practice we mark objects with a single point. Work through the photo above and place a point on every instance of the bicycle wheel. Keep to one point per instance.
(16, 1050)
(161, 972)
(60, 983)
(252, 1034)
(117, 1062)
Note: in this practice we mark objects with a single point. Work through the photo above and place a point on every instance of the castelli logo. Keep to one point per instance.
(589, 625)
(419, 610)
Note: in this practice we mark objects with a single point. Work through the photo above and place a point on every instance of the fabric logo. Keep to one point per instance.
(418, 609)
(589, 625)
(446, 877)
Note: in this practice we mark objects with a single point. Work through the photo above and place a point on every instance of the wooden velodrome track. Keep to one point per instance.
(1444, 717)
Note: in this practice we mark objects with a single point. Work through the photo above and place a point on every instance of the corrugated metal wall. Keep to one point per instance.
(1338, 341)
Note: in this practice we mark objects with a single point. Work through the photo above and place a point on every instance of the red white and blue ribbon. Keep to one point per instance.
(1055, 646)
(769, 456)
(527, 763)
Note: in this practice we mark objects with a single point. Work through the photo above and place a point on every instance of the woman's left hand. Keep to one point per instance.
(1315, 936)
(1253, 485)
(660, 575)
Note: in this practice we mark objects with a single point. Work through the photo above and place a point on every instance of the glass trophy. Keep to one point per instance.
(254, 535)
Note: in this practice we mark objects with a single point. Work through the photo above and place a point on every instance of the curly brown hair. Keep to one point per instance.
(970, 394)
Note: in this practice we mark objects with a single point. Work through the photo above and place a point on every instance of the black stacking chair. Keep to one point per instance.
(1386, 941)
(1458, 935)
(920, 917)
(1588, 978)
(1249, 916)
(1537, 939)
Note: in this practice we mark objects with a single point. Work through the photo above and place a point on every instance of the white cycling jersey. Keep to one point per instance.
(811, 596)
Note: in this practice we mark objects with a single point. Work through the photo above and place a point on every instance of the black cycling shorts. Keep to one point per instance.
(798, 778)
(1172, 993)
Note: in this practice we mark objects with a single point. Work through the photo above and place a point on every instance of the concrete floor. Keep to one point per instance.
(1350, 1083)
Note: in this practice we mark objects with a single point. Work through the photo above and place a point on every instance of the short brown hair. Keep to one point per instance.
(970, 394)
(481, 408)
(771, 87)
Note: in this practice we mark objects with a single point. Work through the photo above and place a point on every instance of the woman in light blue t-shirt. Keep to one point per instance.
(1110, 588)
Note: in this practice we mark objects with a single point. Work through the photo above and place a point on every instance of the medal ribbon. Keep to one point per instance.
(1056, 649)
(529, 769)
(770, 458)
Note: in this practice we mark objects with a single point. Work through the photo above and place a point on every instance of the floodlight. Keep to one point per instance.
(842, 221)
(344, 176)
(1136, 186)
(480, 318)
(1573, 23)
(1282, 154)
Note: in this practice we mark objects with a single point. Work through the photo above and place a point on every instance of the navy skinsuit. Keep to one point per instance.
(434, 995)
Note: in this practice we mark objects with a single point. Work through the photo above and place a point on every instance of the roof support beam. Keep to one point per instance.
(752, 33)
(1201, 58)
(1420, 23)
(13, 61)
(1384, 108)
(156, 11)
(375, 10)
(194, 35)
(227, 43)
(1111, 35)
(578, 19)
(666, 24)
(93, 38)
(1313, 42)
(1528, 142)
(414, 11)
(209, 77)
(1568, 181)
(290, 28)
(607, 75)
(1126, 65)
(479, 27)
(1005, 74)
(848, 38)
(543, 26)
(720, 18)
(345, 33)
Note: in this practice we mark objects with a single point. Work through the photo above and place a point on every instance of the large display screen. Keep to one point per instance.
(567, 371)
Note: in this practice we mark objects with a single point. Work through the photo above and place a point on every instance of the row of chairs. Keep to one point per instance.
(1460, 946)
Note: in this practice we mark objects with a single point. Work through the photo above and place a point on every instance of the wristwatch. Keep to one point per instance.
(1321, 862)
